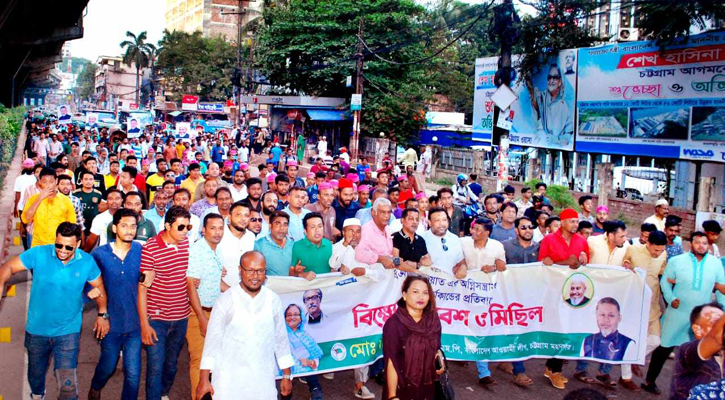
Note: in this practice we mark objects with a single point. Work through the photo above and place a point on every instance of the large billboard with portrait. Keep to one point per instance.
(543, 114)
(637, 99)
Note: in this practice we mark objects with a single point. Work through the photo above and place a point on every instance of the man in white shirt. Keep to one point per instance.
(24, 181)
(99, 226)
(54, 148)
(238, 188)
(250, 317)
(443, 246)
(481, 252)
(236, 241)
(322, 147)
(662, 210)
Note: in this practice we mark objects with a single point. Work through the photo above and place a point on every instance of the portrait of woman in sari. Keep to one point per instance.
(305, 351)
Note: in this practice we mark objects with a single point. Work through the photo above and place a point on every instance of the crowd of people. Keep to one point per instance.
(173, 240)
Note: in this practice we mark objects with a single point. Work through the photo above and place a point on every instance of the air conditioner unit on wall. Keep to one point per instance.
(628, 34)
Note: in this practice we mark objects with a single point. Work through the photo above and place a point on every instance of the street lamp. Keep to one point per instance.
(382, 134)
(435, 139)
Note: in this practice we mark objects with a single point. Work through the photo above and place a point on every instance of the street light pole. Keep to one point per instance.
(355, 142)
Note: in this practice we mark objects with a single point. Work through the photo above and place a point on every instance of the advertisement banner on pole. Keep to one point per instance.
(545, 113)
(635, 99)
(527, 311)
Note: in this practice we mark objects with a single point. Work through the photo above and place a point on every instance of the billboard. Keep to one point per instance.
(544, 114)
(634, 99)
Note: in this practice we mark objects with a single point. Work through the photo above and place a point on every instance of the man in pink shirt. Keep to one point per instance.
(376, 244)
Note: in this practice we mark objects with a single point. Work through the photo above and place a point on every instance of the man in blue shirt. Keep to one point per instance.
(120, 263)
(53, 325)
(276, 153)
(217, 153)
(276, 246)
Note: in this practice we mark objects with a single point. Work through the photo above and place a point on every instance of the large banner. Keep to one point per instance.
(634, 99)
(528, 311)
(543, 115)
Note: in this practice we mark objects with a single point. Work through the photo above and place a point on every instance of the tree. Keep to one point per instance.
(454, 76)
(192, 64)
(554, 28)
(86, 83)
(137, 52)
(656, 18)
(308, 47)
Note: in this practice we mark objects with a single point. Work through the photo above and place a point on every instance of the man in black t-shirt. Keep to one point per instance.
(409, 249)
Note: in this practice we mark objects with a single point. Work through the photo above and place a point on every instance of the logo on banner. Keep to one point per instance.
(338, 352)
(698, 153)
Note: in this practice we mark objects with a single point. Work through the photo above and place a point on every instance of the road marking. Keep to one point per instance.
(6, 335)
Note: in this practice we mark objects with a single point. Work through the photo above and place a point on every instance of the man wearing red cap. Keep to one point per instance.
(563, 247)
(344, 205)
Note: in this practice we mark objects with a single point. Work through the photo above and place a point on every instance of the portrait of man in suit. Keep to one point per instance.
(608, 343)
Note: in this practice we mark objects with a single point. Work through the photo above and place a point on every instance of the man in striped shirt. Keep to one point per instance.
(164, 307)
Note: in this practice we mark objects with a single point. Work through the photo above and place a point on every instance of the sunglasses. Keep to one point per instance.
(556, 77)
(184, 227)
(526, 227)
(68, 248)
(255, 219)
(443, 242)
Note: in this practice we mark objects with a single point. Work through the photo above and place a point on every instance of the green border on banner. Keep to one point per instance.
(349, 353)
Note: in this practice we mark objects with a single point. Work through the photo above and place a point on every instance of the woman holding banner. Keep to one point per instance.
(411, 339)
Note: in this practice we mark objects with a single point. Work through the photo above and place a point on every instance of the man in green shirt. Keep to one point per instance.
(91, 198)
(135, 202)
(311, 255)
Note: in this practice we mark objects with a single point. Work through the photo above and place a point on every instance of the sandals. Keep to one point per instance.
(521, 380)
(607, 381)
(583, 376)
(506, 368)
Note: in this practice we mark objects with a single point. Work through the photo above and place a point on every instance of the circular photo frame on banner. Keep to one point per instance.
(578, 290)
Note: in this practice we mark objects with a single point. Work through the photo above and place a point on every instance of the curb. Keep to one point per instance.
(7, 196)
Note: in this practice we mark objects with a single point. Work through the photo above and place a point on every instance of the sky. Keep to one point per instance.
(106, 22)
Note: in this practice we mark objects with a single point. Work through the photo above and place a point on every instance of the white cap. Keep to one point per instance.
(661, 202)
(351, 222)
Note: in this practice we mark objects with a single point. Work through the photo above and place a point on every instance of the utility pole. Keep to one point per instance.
(504, 19)
(238, 99)
(355, 142)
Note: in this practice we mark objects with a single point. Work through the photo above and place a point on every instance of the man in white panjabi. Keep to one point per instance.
(246, 332)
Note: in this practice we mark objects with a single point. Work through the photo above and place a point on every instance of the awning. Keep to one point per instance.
(328, 115)
(175, 113)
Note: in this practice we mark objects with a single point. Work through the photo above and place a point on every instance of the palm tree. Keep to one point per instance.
(137, 52)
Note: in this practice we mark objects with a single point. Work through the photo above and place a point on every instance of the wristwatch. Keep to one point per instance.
(287, 377)
(104, 315)
(396, 261)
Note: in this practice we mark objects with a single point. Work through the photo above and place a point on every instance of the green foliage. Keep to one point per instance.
(308, 47)
(454, 76)
(86, 82)
(192, 64)
(554, 28)
(560, 196)
(11, 122)
(447, 182)
(657, 19)
(138, 53)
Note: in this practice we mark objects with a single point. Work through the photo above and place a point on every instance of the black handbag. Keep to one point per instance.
(444, 387)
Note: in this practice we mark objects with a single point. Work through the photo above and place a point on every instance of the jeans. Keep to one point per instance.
(64, 349)
(518, 367)
(584, 365)
(111, 347)
(482, 367)
(163, 356)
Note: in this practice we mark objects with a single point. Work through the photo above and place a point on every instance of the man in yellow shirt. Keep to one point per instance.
(47, 209)
(113, 174)
(193, 180)
(155, 181)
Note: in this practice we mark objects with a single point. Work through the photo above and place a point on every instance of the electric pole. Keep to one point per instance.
(355, 142)
(504, 28)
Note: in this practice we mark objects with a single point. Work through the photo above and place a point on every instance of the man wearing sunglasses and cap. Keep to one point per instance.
(53, 326)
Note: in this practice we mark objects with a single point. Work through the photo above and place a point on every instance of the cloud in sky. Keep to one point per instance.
(106, 22)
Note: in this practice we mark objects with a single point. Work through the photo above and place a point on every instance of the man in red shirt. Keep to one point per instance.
(563, 247)
(164, 307)
(406, 192)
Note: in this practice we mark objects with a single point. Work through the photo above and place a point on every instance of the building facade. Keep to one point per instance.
(116, 81)
(211, 17)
